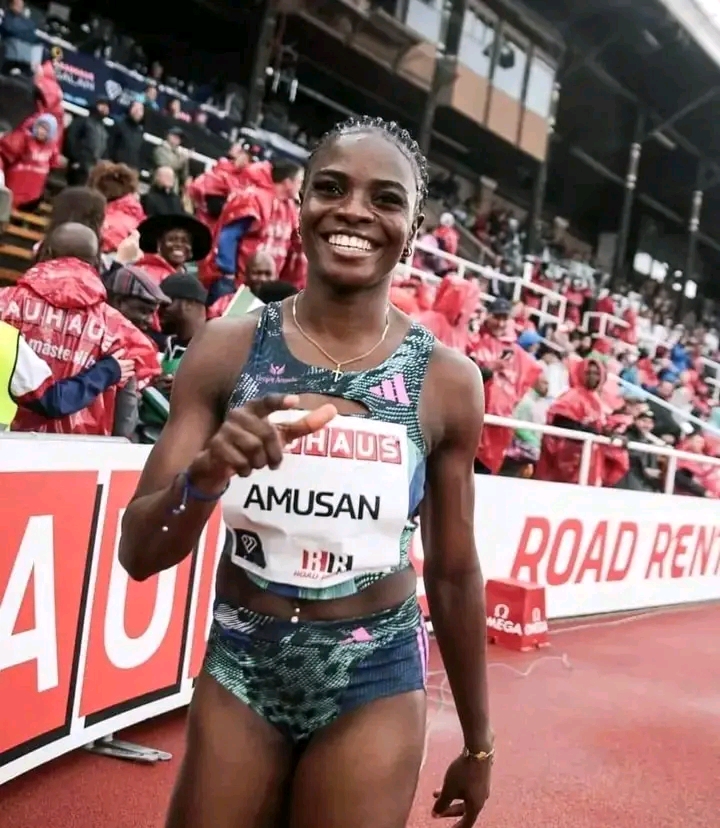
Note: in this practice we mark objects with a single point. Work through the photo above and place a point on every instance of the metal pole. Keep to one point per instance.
(629, 197)
(446, 53)
(693, 230)
(540, 188)
(261, 61)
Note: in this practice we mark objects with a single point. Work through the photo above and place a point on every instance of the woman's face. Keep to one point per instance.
(358, 210)
(176, 247)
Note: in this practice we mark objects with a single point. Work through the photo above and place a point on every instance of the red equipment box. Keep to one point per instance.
(516, 616)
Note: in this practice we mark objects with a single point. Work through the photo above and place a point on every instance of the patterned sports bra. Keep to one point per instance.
(390, 393)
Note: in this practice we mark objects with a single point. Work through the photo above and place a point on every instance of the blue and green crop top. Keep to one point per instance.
(390, 392)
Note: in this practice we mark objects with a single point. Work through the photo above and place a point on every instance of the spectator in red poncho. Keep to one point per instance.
(138, 298)
(60, 307)
(412, 295)
(447, 235)
(706, 477)
(629, 334)
(576, 293)
(209, 191)
(27, 154)
(580, 409)
(49, 96)
(509, 373)
(605, 304)
(262, 216)
(170, 243)
(455, 304)
(123, 213)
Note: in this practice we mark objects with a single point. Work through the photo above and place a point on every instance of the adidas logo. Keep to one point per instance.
(392, 389)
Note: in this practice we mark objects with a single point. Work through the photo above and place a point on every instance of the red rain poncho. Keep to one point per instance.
(560, 458)
(503, 391)
(455, 303)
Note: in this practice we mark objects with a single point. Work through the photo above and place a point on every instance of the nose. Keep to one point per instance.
(355, 207)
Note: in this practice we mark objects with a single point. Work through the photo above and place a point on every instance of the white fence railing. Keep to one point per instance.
(208, 162)
(589, 440)
(605, 321)
(548, 298)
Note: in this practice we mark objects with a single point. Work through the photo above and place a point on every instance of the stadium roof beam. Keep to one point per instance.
(612, 83)
(607, 173)
(583, 59)
(701, 100)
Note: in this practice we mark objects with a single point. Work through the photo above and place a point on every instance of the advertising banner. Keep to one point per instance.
(85, 651)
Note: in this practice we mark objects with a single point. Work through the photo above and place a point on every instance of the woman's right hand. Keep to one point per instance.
(247, 440)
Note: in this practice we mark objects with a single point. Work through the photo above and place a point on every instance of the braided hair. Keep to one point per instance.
(394, 133)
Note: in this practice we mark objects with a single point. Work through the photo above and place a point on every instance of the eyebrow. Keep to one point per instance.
(379, 182)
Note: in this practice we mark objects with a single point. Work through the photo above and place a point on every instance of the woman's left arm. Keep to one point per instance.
(452, 574)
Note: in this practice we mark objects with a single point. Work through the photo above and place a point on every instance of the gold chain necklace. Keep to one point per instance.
(339, 365)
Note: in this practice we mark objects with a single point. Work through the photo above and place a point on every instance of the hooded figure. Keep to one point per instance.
(262, 216)
(27, 154)
(455, 304)
(579, 409)
(60, 307)
(412, 295)
(210, 190)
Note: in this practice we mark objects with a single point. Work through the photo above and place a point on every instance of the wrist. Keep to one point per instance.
(477, 743)
(201, 476)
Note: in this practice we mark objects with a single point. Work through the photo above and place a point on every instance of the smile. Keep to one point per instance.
(350, 245)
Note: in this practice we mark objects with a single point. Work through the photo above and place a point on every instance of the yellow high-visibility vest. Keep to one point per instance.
(9, 344)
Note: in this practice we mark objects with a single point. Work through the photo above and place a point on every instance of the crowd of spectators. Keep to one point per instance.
(604, 364)
(155, 266)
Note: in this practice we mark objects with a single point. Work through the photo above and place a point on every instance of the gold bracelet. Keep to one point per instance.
(482, 756)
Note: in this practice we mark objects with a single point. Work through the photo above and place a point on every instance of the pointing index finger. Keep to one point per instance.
(311, 422)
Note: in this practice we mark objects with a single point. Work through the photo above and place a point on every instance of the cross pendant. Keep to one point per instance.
(337, 374)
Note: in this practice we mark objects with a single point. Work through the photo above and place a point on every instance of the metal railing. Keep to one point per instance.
(605, 320)
(590, 440)
(461, 266)
(74, 109)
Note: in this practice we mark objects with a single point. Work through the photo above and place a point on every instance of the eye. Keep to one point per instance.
(327, 187)
(391, 199)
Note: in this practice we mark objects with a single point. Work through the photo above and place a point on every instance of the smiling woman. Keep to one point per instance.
(310, 710)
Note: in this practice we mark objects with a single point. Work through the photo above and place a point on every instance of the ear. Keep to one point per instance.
(414, 230)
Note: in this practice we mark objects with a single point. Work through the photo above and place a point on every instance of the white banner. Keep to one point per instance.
(597, 550)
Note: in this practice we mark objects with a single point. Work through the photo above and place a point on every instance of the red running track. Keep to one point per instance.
(616, 726)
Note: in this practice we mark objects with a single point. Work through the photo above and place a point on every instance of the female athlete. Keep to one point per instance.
(310, 710)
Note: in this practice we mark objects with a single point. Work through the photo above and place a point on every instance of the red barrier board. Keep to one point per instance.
(85, 651)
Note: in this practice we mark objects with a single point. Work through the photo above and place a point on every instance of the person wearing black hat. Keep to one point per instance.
(182, 318)
(170, 243)
(171, 153)
(85, 143)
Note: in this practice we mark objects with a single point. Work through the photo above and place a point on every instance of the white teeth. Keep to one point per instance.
(352, 242)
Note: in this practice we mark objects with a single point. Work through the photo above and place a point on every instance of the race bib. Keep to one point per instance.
(335, 509)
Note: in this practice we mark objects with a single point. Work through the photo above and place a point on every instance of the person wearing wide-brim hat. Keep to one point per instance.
(169, 243)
